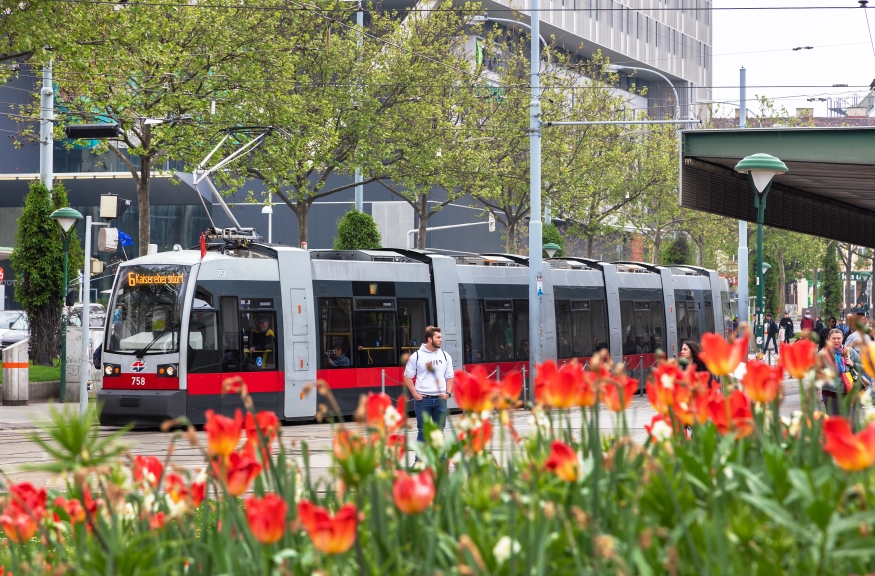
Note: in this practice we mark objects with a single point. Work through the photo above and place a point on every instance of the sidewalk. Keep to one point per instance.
(25, 417)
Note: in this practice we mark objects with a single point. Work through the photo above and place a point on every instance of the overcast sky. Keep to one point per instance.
(763, 40)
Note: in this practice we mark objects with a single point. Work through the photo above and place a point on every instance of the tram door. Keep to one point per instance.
(204, 363)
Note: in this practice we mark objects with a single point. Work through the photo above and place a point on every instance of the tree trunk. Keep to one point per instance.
(783, 281)
(510, 245)
(814, 294)
(589, 243)
(848, 266)
(143, 205)
(303, 229)
(700, 247)
(422, 208)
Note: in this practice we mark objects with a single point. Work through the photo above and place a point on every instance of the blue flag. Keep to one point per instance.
(124, 239)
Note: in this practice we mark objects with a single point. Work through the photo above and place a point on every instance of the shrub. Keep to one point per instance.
(551, 234)
(676, 252)
(357, 231)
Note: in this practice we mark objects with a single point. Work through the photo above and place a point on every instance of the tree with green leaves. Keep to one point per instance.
(357, 231)
(831, 282)
(159, 70)
(38, 261)
(676, 252)
(550, 233)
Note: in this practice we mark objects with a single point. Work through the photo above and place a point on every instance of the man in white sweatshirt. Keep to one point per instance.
(429, 377)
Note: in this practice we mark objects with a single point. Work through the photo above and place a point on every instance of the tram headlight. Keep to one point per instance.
(108, 370)
(167, 370)
(112, 370)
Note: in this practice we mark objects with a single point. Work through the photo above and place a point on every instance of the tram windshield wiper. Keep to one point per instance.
(142, 351)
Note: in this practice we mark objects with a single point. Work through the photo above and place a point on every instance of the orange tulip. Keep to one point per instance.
(508, 391)
(157, 521)
(175, 486)
(662, 389)
(659, 429)
(473, 390)
(413, 494)
(266, 517)
(867, 355)
(797, 358)
(329, 534)
(268, 423)
(148, 469)
(849, 451)
(18, 525)
(762, 382)
(558, 388)
(237, 471)
(478, 437)
(562, 461)
(223, 433)
(731, 414)
(382, 415)
(618, 392)
(720, 356)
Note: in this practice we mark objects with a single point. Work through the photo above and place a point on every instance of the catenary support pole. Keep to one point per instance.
(743, 311)
(46, 124)
(84, 370)
(535, 233)
(64, 321)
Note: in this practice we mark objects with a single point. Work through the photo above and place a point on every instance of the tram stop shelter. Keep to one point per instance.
(828, 191)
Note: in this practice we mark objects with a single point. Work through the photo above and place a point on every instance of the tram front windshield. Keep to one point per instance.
(146, 310)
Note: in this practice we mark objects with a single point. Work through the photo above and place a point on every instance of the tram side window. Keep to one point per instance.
(709, 316)
(335, 319)
(521, 329)
(599, 325)
(230, 335)
(472, 331)
(563, 328)
(498, 328)
(375, 332)
(643, 326)
(412, 322)
(203, 336)
(258, 331)
(688, 321)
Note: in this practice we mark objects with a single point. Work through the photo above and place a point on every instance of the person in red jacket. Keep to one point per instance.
(807, 322)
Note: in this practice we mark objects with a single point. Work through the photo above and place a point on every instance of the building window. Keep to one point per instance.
(647, 30)
(656, 34)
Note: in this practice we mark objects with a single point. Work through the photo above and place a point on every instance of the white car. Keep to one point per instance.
(13, 327)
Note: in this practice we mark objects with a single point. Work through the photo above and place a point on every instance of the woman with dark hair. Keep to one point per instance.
(689, 354)
(841, 360)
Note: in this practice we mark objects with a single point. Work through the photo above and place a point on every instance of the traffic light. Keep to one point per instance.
(92, 131)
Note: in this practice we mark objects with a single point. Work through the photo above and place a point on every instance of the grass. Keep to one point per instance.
(39, 373)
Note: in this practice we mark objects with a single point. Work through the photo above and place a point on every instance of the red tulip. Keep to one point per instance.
(237, 471)
(382, 415)
(198, 492)
(223, 433)
(720, 356)
(268, 423)
(473, 390)
(18, 525)
(413, 494)
(29, 498)
(762, 383)
(849, 451)
(157, 521)
(478, 437)
(507, 392)
(329, 534)
(659, 429)
(562, 461)
(663, 388)
(797, 358)
(148, 469)
(618, 392)
(175, 486)
(72, 507)
(731, 414)
(559, 388)
(267, 517)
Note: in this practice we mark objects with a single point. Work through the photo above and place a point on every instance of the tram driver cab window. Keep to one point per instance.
(203, 335)
(259, 340)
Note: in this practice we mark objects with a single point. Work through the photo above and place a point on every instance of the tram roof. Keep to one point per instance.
(828, 190)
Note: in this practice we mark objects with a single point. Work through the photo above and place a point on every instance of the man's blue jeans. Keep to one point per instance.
(435, 408)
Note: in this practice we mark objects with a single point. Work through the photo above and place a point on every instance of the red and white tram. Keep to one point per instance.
(279, 317)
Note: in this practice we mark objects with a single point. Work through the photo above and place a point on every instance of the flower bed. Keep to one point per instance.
(722, 485)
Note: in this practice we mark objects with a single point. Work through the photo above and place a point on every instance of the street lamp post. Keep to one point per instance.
(269, 211)
(761, 169)
(67, 218)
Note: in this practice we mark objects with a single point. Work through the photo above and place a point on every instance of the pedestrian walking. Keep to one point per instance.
(823, 333)
(853, 339)
(690, 352)
(806, 322)
(771, 333)
(818, 325)
(844, 362)
(787, 325)
(428, 376)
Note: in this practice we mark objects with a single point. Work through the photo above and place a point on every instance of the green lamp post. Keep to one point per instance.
(551, 248)
(67, 218)
(761, 169)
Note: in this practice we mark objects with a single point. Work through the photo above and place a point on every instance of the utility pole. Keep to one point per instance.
(46, 125)
(743, 311)
(359, 189)
(536, 291)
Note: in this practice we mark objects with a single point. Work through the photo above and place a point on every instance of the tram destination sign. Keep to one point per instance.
(136, 279)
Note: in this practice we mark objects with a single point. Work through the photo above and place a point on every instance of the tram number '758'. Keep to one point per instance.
(221, 273)
(138, 380)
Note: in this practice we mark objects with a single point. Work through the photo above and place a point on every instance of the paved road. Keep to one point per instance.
(17, 422)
